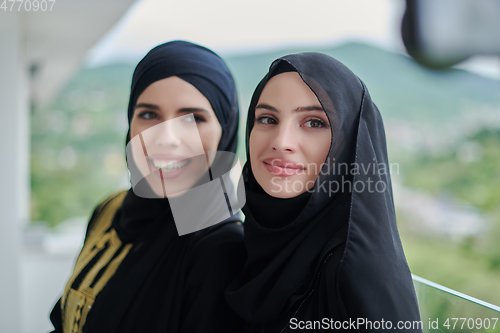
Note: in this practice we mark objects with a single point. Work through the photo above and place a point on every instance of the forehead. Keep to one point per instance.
(175, 92)
(289, 90)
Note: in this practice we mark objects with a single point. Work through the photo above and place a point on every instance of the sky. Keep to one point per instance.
(236, 26)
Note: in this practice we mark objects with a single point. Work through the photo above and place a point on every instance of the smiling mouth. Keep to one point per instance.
(283, 170)
(284, 167)
(169, 166)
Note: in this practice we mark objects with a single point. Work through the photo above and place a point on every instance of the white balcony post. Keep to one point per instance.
(14, 166)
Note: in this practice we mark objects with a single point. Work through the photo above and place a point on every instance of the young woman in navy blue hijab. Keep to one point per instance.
(324, 253)
(135, 273)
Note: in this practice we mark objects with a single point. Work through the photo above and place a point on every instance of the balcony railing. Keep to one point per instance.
(446, 310)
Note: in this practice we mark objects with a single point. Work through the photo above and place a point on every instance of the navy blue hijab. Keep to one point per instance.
(202, 68)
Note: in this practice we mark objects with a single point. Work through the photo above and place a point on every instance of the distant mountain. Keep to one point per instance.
(399, 86)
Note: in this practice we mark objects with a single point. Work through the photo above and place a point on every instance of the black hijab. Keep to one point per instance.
(373, 279)
(147, 291)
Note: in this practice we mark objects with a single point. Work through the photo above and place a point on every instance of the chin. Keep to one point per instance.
(170, 193)
(281, 189)
(285, 195)
(175, 195)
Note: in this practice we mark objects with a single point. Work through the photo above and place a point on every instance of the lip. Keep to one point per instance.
(173, 158)
(167, 157)
(283, 167)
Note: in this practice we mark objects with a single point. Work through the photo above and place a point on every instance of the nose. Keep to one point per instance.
(168, 135)
(286, 139)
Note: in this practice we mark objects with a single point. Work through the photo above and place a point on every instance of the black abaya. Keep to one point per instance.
(135, 273)
(339, 258)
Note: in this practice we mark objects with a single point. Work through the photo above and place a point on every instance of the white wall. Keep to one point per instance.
(43, 277)
(14, 164)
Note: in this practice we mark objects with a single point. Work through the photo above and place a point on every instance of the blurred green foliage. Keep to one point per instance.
(468, 169)
(78, 145)
(446, 263)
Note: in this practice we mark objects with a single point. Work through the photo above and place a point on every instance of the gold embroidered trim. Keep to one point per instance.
(76, 304)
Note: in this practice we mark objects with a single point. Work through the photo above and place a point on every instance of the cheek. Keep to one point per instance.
(210, 135)
(133, 128)
(316, 149)
(257, 143)
(253, 147)
(138, 127)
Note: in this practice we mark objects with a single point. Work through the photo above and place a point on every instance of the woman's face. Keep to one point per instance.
(291, 137)
(177, 125)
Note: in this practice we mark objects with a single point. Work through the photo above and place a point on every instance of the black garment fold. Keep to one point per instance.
(160, 263)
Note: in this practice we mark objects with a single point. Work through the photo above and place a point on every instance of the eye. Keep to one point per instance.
(315, 123)
(148, 115)
(197, 119)
(266, 120)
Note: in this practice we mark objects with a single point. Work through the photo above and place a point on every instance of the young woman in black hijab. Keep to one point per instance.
(324, 251)
(135, 273)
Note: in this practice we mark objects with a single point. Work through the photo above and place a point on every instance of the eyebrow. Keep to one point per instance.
(189, 110)
(156, 107)
(147, 106)
(309, 108)
(299, 109)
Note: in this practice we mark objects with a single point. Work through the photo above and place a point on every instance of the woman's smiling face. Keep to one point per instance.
(177, 125)
(291, 137)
